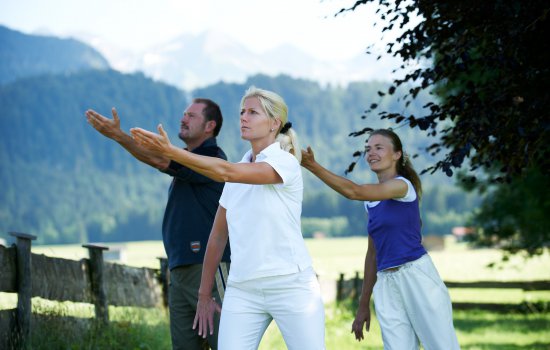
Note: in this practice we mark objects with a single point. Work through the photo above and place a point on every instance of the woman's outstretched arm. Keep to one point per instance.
(348, 188)
(215, 168)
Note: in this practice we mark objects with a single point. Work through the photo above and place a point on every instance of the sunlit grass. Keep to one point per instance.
(136, 328)
(337, 332)
(457, 262)
(332, 256)
(475, 330)
(8, 301)
(71, 326)
(138, 254)
(488, 330)
(65, 308)
(500, 296)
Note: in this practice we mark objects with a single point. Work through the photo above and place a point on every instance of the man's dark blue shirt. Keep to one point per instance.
(190, 210)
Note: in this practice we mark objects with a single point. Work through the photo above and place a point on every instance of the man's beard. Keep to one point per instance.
(182, 133)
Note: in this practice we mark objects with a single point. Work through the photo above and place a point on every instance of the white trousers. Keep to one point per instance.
(293, 301)
(412, 304)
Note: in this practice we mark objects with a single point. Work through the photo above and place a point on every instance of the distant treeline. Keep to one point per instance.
(65, 183)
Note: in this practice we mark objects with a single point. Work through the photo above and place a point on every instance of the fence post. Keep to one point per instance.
(356, 286)
(340, 288)
(164, 279)
(98, 287)
(24, 288)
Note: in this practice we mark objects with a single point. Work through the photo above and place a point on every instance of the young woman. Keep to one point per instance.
(412, 302)
(271, 275)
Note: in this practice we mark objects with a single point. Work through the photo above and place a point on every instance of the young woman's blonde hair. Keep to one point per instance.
(276, 108)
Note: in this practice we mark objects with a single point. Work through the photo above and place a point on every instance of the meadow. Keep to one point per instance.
(476, 329)
(333, 256)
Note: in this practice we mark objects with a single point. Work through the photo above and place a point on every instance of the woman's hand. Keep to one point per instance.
(204, 318)
(362, 318)
(154, 142)
(308, 158)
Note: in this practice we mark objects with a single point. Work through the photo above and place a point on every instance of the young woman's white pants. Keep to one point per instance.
(293, 301)
(412, 304)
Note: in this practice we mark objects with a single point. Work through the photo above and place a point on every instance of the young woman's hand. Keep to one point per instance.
(361, 319)
(308, 158)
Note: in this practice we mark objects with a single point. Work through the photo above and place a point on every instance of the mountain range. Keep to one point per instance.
(25, 55)
(192, 61)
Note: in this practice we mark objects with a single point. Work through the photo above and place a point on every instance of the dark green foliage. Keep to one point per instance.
(516, 216)
(487, 64)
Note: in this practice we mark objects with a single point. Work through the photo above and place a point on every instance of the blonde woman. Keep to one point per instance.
(271, 276)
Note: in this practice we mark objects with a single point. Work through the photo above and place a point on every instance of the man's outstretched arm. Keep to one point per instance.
(110, 128)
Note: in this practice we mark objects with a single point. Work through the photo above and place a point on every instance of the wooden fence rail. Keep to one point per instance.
(351, 289)
(90, 281)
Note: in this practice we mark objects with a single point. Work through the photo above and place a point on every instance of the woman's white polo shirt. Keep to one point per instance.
(264, 220)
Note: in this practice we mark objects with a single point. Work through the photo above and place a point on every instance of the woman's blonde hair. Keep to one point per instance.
(276, 108)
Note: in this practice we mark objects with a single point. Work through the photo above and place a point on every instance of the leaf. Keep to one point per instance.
(350, 168)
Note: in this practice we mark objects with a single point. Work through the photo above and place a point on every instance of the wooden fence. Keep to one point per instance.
(92, 281)
(352, 289)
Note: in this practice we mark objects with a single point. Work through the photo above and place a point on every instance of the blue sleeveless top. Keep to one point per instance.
(394, 226)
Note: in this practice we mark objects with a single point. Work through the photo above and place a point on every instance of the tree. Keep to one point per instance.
(515, 208)
(486, 62)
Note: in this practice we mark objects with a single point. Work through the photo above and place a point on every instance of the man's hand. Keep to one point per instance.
(107, 127)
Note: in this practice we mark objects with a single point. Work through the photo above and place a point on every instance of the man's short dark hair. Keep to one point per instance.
(211, 111)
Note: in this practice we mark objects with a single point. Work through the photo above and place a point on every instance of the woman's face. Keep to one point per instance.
(380, 154)
(255, 123)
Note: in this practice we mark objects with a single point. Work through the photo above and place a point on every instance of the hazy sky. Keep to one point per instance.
(259, 24)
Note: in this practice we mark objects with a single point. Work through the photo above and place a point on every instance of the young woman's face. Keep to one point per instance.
(255, 123)
(380, 154)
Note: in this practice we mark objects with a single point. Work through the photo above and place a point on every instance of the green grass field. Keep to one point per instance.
(475, 329)
(346, 255)
(333, 256)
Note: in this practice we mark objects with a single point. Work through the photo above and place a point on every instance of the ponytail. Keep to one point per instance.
(289, 141)
(405, 169)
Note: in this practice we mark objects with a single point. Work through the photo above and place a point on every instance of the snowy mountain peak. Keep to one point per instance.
(192, 61)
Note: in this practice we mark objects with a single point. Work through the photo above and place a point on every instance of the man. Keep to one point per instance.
(190, 210)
